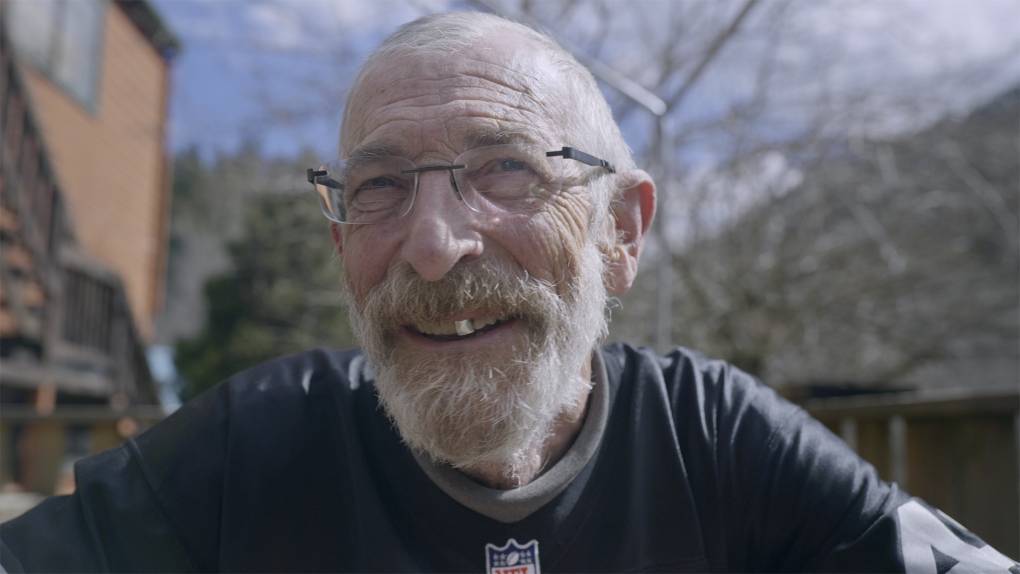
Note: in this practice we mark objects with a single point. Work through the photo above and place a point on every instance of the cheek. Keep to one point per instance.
(570, 212)
(366, 257)
(554, 239)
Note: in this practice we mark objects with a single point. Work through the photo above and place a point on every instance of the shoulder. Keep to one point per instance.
(257, 414)
(160, 500)
(266, 399)
(293, 376)
(743, 422)
(680, 366)
(288, 385)
(228, 446)
(691, 381)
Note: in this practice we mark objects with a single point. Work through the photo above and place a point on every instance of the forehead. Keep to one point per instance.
(428, 102)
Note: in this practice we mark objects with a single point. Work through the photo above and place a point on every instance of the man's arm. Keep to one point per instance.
(110, 523)
(52, 537)
(815, 505)
(926, 542)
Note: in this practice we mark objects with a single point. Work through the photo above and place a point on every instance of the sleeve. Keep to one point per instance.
(52, 537)
(111, 523)
(811, 504)
(151, 505)
(923, 540)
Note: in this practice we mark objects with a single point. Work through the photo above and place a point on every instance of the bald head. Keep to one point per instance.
(568, 105)
(446, 84)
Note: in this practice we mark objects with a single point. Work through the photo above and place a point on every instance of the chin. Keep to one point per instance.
(478, 412)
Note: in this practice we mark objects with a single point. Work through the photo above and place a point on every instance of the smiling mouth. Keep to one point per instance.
(457, 330)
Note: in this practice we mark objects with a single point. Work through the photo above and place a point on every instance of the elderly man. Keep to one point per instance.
(485, 209)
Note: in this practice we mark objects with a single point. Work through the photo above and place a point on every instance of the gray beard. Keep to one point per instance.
(496, 410)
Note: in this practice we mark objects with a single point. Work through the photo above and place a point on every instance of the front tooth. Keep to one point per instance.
(464, 327)
(438, 328)
(483, 323)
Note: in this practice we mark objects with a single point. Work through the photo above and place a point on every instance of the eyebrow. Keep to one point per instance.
(376, 150)
(484, 137)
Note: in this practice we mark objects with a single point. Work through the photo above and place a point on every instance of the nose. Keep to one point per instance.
(441, 230)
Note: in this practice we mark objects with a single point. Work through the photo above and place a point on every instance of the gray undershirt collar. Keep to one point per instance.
(514, 505)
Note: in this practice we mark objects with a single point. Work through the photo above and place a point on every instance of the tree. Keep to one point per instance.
(280, 294)
(899, 257)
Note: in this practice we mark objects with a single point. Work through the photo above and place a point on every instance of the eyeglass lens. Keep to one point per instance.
(503, 178)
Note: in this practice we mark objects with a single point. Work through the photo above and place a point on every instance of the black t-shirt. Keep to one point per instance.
(292, 466)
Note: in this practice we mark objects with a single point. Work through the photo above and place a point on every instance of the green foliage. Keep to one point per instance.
(281, 295)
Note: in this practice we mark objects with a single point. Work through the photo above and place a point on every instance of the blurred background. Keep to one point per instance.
(839, 191)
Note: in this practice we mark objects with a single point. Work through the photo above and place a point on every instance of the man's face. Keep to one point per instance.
(531, 284)
(432, 108)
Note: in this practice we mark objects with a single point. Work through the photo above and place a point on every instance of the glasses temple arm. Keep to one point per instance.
(321, 177)
(576, 154)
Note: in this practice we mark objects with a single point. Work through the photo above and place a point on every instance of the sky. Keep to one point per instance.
(242, 61)
(276, 71)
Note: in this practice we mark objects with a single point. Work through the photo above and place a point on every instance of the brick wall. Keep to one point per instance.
(110, 162)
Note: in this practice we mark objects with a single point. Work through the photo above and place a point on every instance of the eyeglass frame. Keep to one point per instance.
(321, 177)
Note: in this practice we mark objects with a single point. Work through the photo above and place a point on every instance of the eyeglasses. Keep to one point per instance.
(508, 178)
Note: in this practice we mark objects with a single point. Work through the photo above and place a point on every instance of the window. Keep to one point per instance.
(62, 39)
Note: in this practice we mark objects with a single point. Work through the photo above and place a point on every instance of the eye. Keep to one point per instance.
(513, 165)
(506, 168)
(379, 194)
(381, 182)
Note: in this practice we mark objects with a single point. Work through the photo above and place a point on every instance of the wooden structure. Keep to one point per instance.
(73, 373)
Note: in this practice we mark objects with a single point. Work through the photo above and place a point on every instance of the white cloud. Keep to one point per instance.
(276, 25)
(318, 25)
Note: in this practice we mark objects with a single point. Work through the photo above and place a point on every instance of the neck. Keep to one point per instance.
(565, 429)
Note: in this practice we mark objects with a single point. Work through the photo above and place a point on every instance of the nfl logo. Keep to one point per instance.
(512, 558)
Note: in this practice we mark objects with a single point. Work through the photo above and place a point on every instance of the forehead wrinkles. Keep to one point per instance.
(460, 123)
(449, 90)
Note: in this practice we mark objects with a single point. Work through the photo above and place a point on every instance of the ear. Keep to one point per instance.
(633, 211)
(338, 238)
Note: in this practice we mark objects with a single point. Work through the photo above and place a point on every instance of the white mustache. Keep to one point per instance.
(404, 297)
